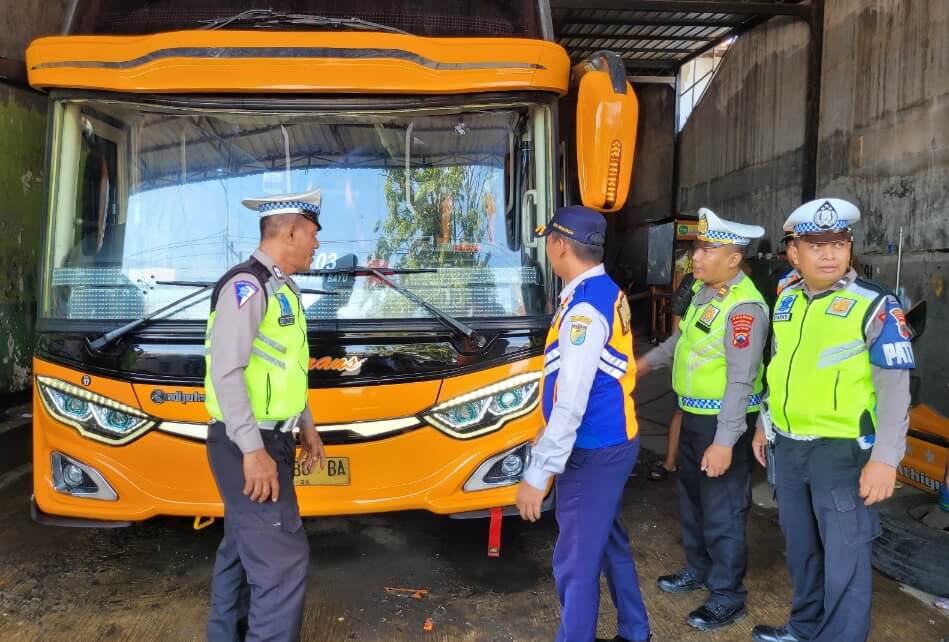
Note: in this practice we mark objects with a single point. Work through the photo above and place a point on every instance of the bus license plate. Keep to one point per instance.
(336, 473)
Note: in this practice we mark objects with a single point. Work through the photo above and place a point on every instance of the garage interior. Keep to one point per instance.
(747, 107)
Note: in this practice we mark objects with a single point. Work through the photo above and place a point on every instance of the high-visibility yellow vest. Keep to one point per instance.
(276, 375)
(820, 379)
(699, 368)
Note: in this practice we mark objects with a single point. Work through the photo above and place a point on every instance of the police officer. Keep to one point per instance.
(838, 394)
(717, 374)
(591, 438)
(256, 381)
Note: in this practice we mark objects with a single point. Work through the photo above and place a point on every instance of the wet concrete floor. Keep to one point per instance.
(151, 581)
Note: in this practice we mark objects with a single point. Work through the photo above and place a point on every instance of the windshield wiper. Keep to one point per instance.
(265, 17)
(204, 286)
(381, 273)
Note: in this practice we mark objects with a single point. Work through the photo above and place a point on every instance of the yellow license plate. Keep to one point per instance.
(336, 473)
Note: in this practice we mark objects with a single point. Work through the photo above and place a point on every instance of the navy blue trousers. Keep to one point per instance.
(592, 541)
(260, 570)
(829, 533)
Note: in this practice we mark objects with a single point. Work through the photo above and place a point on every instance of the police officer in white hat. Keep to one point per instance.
(715, 355)
(836, 409)
(257, 358)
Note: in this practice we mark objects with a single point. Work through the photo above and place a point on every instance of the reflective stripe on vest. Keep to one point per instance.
(820, 379)
(699, 368)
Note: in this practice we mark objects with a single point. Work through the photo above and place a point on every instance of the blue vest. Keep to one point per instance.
(610, 416)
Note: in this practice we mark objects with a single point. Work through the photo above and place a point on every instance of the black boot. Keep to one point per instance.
(714, 616)
(620, 638)
(681, 582)
(763, 633)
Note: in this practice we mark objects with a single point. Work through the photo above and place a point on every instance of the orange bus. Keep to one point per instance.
(431, 129)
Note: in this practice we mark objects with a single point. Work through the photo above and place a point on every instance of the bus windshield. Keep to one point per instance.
(144, 194)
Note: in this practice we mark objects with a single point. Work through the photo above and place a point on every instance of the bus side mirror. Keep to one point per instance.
(607, 117)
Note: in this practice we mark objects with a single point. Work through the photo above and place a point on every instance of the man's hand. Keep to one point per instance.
(759, 444)
(528, 501)
(716, 460)
(876, 482)
(642, 366)
(260, 476)
(312, 449)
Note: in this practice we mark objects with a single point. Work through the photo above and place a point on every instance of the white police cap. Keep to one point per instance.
(306, 204)
(821, 216)
(714, 229)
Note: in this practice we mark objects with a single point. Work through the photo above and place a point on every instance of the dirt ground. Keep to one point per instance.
(151, 581)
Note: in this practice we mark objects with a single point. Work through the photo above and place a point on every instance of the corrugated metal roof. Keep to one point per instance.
(655, 37)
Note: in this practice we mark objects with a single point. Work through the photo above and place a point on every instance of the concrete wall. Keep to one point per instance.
(883, 142)
(741, 151)
(22, 164)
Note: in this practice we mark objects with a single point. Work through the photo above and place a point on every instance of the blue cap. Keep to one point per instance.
(578, 223)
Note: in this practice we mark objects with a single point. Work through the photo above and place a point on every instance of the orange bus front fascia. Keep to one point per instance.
(163, 474)
(297, 62)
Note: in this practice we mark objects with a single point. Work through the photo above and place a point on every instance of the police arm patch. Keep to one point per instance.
(741, 330)
(892, 349)
(244, 291)
(578, 333)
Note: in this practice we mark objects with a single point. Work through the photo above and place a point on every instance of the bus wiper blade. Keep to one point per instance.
(204, 286)
(383, 275)
(112, 335)
(265, 17)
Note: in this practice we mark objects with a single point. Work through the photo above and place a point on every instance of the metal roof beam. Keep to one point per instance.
(648, 22)
(692, 6)
(561, 35)
(622, 50)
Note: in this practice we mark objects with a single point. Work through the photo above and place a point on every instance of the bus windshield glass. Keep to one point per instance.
(142, 195)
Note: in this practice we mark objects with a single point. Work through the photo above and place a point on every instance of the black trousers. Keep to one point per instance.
(829, 535)
(261, 565)
(713, 510)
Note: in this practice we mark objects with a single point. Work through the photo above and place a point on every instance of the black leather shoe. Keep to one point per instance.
(620, 638)
(709, 617)
(681, 582)
(763, 633)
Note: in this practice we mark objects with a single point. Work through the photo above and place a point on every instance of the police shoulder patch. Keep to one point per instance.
(578, 333)
(741, 330)
(579, 318)
(244, 290)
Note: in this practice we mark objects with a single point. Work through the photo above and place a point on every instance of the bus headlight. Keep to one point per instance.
(486, 409)
(93, 415)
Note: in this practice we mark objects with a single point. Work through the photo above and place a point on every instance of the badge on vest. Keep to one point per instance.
(625, 318)
(286, 312)
(783, 311)
(841, 306)
(708, 316)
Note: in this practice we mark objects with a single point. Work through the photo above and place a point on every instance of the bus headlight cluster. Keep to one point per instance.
(486, 409)
(93, 415)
